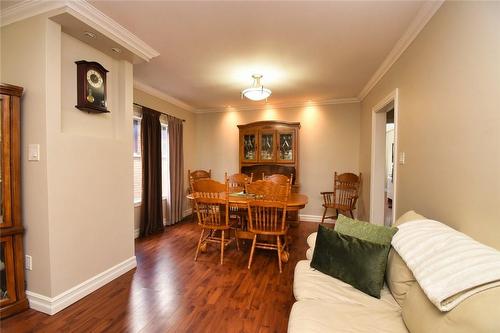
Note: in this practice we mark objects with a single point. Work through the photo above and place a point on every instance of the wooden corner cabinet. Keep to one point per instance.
(12, 283)
(270, 147)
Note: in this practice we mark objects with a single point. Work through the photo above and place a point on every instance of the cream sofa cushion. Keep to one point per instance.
(320, 316)
(398, 276)
(309, 254)
(479, 313)
(407, 217)
(311, 240)
(312, 284)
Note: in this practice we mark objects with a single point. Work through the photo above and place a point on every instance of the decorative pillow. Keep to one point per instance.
(358, 262)
(364, 230)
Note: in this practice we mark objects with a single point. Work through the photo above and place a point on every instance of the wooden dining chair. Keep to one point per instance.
(238, 181)
(278, 178)
(212, 208)
(267, 216)
(194, 176)
(344, 196)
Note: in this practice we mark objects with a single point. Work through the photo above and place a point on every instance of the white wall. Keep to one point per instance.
(329, 142)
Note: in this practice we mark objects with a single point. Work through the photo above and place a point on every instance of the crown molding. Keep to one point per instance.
(428, 9)
(279, 106)
(163, 96)
(86, 13)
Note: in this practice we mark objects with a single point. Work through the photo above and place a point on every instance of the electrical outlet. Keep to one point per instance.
(402, 158)
(28, 262)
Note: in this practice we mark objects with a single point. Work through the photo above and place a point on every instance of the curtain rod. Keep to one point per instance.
(142, 106)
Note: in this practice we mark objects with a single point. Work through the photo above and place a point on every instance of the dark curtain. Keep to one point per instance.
(151, 206)
(176, 160)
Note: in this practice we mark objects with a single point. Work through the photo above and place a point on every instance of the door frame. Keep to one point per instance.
(377, 168)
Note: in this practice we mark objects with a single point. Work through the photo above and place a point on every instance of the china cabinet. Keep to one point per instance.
(270, 147)
(12, 284)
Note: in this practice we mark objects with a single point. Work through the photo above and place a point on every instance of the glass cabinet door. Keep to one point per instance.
(4, 118)
(249, 147)
(7, 284)
(267, 146)
(286, 146)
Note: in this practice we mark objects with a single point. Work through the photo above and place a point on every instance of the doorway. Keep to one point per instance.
(383, 161)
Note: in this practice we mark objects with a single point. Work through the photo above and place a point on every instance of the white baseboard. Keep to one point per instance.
(52, 305)
(309, 218)
(187, 212)
(313, 218)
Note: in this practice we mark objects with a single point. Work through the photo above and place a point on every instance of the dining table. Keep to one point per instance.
(295, 202)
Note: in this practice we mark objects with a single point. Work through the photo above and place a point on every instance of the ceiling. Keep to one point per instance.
(305, 50)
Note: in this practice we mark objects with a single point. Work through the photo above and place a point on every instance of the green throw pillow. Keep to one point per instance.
(358, 262)
(364, 230)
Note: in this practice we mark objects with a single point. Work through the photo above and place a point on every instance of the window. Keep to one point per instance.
(165, 164)
(137, 136)
(137, 160)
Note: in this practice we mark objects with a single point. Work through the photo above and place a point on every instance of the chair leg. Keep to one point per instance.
(278, 242)
(324, 214)
(236, 237)
(352, 215)
(336, 214)
(222, 248)
(252, 250)
(199, 244)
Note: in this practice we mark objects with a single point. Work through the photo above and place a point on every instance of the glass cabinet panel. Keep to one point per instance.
(249, 147)
(286, 146)
(7, 288)
(267, 146)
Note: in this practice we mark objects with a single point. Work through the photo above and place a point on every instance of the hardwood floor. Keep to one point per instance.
(169, 292)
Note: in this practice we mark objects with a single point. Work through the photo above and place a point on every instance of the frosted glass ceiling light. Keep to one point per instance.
(256, 92)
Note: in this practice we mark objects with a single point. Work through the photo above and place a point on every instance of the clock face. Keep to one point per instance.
(94, 78)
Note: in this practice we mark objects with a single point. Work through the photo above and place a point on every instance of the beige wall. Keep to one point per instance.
(189, 142)
(329, 141)
(449, 121)
(23, 63)
(90, 161)
(77, 200)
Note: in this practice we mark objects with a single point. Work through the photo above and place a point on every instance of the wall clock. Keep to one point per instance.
(91, 85)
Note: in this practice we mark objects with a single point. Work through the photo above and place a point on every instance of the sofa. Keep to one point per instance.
(326, 304)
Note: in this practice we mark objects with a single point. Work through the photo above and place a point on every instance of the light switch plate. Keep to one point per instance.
(33, 152)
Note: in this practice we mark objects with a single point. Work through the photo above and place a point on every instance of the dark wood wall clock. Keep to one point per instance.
(91, 85)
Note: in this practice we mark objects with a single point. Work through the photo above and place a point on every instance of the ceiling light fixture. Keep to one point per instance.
(256, 92)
